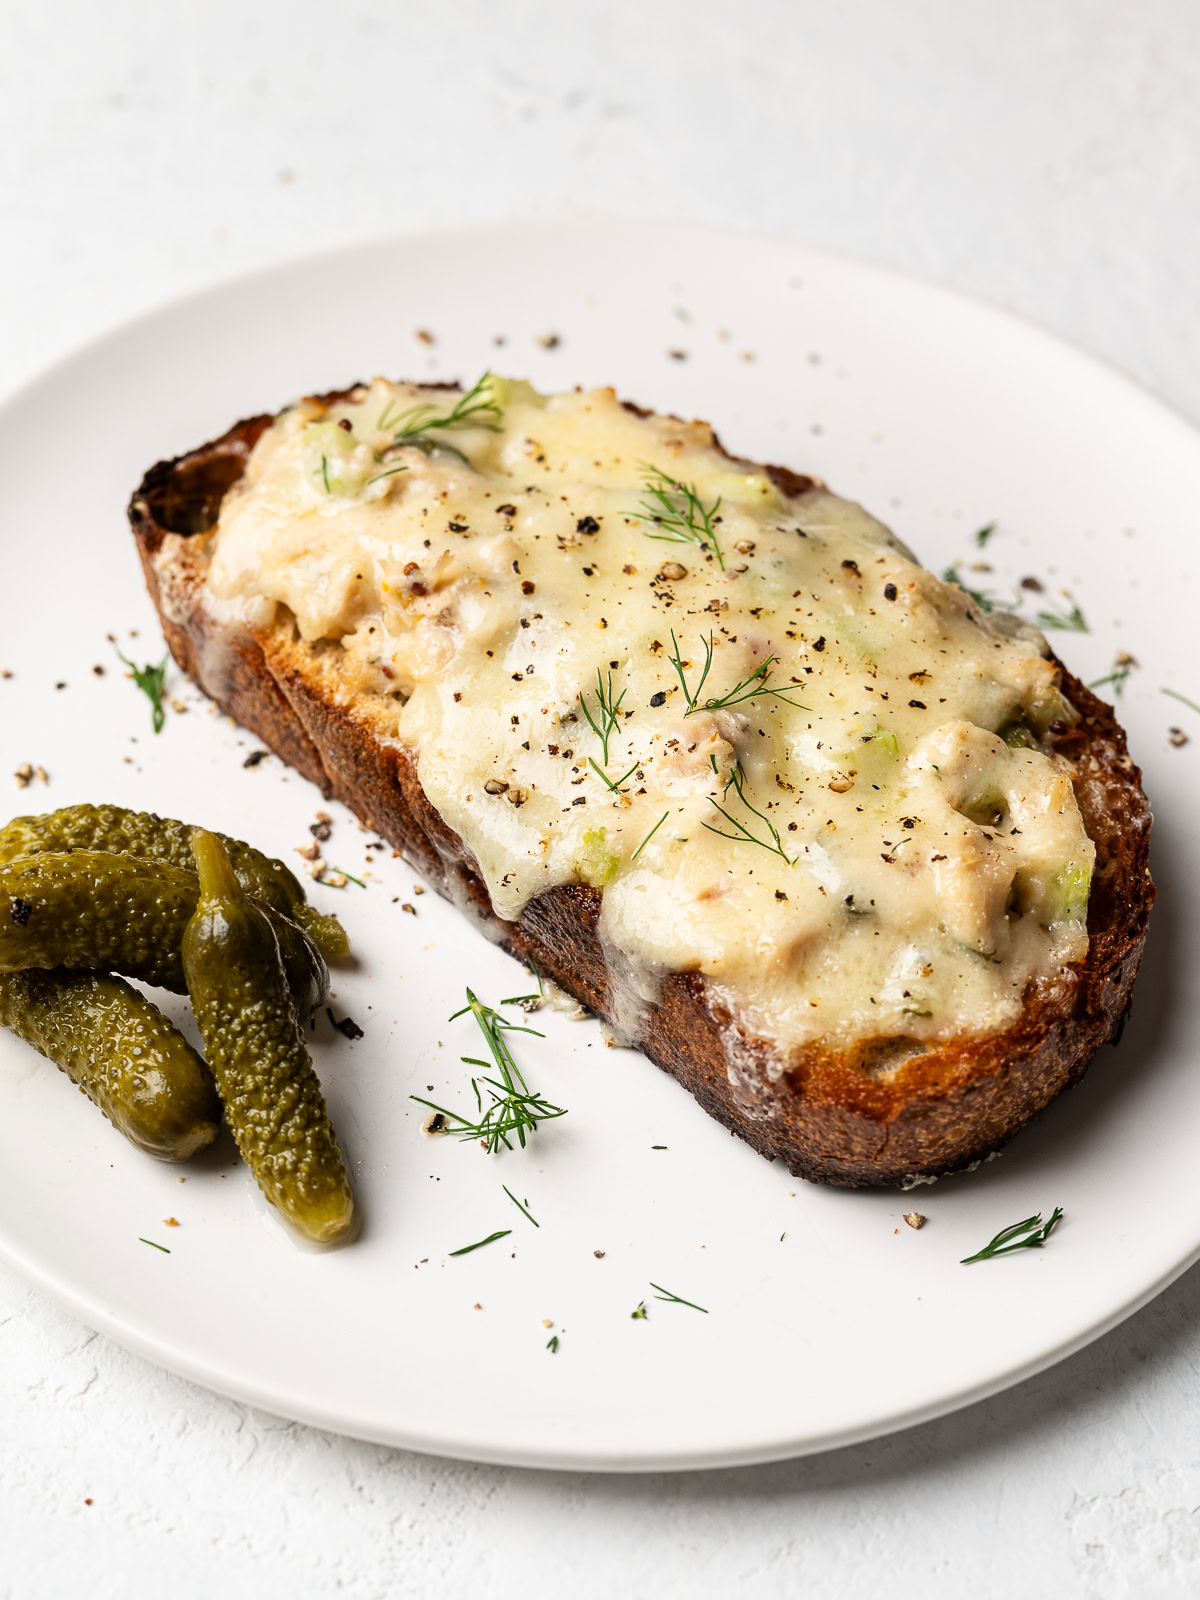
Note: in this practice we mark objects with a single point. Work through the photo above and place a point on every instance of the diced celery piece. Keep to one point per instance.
(328, 452)
(1053, 708)
(507, 392)
(1074, 884)
(598, 863)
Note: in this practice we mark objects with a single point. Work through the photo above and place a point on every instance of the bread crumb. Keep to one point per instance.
(546, 1322)
(424, 336)
(170, 1222)
(915, 1219)
(599, 1254)
(549, 341)
(1175, 737)
(24, 775)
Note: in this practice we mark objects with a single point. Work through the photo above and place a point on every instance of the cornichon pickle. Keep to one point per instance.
(122, 914)
(142, 833)
(252, 1036)
(123, 1054)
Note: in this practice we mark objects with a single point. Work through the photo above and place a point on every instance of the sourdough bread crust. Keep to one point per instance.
(833, 1117)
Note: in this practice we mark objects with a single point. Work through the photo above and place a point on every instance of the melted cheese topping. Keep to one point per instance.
(876, 847)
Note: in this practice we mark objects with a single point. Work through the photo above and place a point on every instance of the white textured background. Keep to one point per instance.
(1042, 153)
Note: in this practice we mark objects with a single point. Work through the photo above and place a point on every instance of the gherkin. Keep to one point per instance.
(155, 838)
(122, 1052)
(117, 913)
(256, 1050)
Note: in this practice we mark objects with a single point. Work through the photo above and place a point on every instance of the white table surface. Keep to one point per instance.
(1044, 155)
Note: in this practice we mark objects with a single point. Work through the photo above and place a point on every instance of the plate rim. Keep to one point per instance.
(216, 286)
(216, 1376)
(219, 1381)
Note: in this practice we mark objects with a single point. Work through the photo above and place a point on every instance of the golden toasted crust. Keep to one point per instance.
(885, 1111)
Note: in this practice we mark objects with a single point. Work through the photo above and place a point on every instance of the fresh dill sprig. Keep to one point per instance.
(691, 696)
(675, 1299)
(613, 783)
(608, 708)
(982, 598)
(478, 408)
(1035, 1232)
(390, 472)
(152, 681)
(648, 837)
(640, 1314)
(982, 535)
(340, 872)
(893, 848)
(154, 1246)
(530, 1000)
(514, 1107)
(466, 1249)
(519, 1206)
(1182, 698)
(1115, 679)
(678, 512)
(1072, 621)
(743, 834)
(757, 683)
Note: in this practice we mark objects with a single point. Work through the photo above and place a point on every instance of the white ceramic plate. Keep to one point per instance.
(828, 1320)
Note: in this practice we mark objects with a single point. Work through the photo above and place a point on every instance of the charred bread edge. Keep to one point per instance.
(846, 1118)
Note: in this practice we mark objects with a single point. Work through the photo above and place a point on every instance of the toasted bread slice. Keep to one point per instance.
(879, 1110)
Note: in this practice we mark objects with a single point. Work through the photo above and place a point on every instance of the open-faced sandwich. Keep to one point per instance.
(863, 867)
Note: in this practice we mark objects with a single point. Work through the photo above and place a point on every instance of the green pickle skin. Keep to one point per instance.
(117, 913)
(256, 1050)
(155, 838)
(122, 1052)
